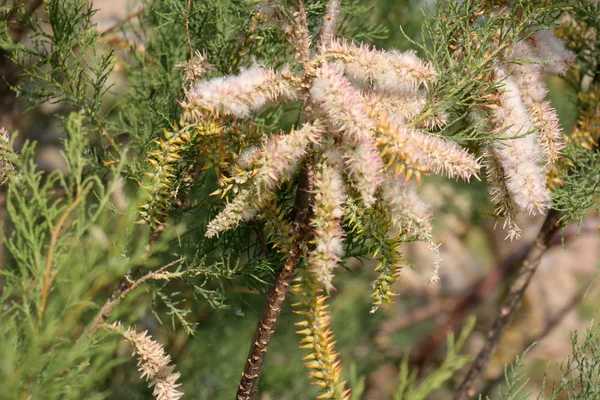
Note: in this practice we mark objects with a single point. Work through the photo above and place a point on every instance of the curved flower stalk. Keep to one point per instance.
(520, 154)
(517, 167)
(277, 160)
(318, 338)
(347, 115)
(545, 53)
(154, 364)
(392, 72)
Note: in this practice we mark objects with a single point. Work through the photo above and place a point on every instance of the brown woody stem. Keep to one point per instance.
(510, 305)
(274, 302)
(301, 235)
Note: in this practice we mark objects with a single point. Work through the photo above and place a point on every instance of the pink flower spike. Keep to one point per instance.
(250, 91)
(328, 233)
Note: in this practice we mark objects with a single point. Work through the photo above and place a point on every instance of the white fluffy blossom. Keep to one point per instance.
(519, 154)
(328, 233)
(240, 95)
(154, 365)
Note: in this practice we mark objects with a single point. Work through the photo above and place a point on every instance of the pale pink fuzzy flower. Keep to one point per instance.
(519, 157)
(551, 137)
(346, 113)
(435, 121)
(364, 168)
(243, 207)
(403, 108)
(328, 233)
(402, 73)
(154, 365)
(275, 162)
(408, 213)
(551, 49)
(500, 195)
(250, 91)
(392, 72)
(279, 157)
(544, 119)
(342, 104)
(439, 154)
(434, 276)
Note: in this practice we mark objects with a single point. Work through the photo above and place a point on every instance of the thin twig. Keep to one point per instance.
(300, 233)
(261, 238)
(117, 24)
(329, 22)
(108, 307)
(510, 304)
(187, 27)
(420, 314)
(481, 291)
(54, 235)
(550, 325)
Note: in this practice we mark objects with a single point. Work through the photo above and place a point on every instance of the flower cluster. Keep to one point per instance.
(363, 102)
(154, 365)
(531, 138)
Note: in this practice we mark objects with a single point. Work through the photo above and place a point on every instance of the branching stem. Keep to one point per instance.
(301, 235)
(107, 308)
(510, 305)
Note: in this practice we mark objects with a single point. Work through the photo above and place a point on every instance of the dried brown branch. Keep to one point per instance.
(126, 281)
(114, 301)
(510, 305)
(187, 27)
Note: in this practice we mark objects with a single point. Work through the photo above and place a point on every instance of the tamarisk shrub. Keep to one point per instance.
(258, 147)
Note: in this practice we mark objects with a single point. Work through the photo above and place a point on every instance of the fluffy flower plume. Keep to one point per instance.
(500, 195)
(154, 365)
(408, 212)
(431, 152)
(280, 156)
(250, 91)
(276, 161)
(6, 167)
(243, 207)
(389, 72)
(329, 199)
(365, 103)
(516, 167)
(404, 109)
(552, 51)
(346, 113)
(520, 154)
(528, 77)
